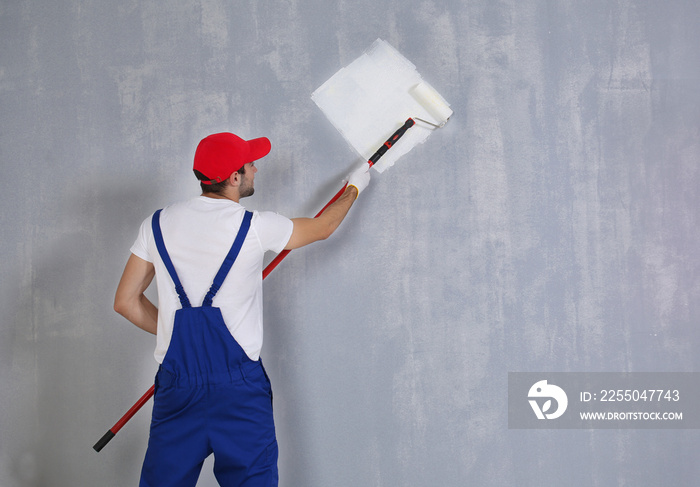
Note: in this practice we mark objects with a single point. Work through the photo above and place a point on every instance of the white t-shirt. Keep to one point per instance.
(198, 234)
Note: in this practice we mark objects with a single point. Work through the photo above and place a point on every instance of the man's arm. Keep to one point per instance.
(309, 230)
(130, 301)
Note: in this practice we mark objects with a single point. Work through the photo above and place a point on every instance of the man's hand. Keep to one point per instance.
(359, 178)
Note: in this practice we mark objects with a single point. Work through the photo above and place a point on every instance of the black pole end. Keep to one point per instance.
(103, 441)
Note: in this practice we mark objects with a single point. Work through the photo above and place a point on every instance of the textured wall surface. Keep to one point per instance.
(552, 225)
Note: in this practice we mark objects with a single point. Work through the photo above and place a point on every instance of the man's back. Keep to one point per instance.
(198, 234)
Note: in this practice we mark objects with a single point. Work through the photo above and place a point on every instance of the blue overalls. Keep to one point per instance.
(209, 397)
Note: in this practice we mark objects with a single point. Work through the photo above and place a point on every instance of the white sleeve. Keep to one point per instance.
(272, 229)
(140, 247)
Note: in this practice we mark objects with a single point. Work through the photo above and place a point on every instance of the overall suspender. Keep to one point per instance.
(223, 270)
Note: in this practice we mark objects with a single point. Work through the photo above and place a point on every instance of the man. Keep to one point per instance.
(212, 393)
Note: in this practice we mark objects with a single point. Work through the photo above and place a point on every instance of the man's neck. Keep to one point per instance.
(227, 195)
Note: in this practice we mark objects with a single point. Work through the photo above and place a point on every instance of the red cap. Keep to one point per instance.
(220, 155)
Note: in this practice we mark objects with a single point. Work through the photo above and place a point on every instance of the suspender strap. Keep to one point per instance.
(223, 271)
(158, 235)
(229, 260)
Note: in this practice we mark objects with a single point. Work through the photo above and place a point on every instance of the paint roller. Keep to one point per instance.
(434, 104)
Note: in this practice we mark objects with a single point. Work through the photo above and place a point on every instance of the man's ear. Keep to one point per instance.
(235, 179)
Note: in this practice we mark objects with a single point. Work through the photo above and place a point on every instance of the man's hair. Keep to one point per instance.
(215, 188)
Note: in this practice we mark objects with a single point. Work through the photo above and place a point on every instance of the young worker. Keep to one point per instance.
(212, 393)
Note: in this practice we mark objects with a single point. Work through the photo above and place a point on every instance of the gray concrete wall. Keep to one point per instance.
(551, 225)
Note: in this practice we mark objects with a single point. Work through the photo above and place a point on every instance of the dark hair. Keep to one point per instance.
(216, 188)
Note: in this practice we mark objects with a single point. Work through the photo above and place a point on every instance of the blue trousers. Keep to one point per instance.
(203, 407)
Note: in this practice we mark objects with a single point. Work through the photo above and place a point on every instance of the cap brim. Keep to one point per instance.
(259, 148)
